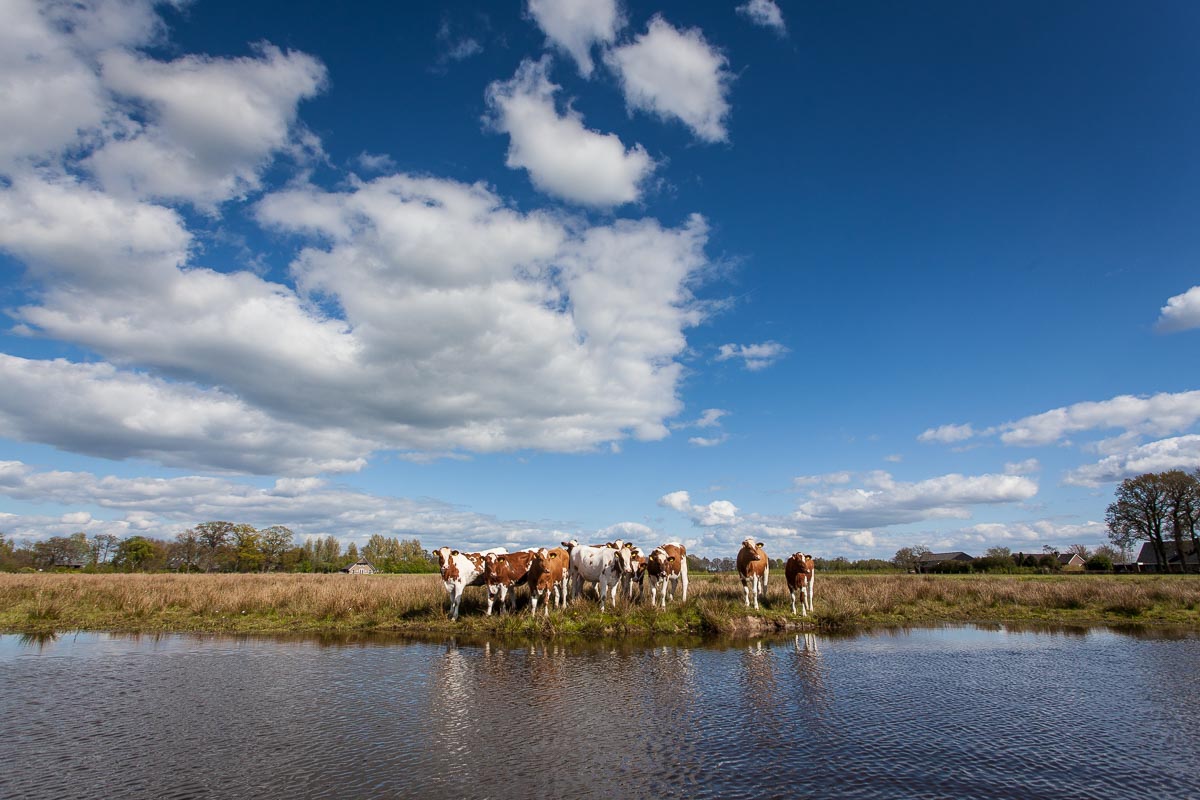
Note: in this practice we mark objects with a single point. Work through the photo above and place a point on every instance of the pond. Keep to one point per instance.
(928, 713)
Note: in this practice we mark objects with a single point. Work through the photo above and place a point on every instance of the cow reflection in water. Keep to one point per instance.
(806, 660)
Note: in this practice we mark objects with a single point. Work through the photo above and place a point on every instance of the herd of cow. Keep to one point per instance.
(616, 569)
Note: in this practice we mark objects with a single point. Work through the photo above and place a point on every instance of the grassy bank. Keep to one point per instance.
(334, 604)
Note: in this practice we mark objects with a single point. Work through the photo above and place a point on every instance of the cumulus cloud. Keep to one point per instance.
(419, 315)
(575, 26)
(1180, 452)
(753, 356)
(1181, 313)
(765, 13)
(561, 155)
(881, 501)
(98, 410)
(210, 125)
(1158, 414)
(718, 512)
(675, 74)
(708, 441)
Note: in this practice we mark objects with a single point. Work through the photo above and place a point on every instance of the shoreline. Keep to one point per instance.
(414, 605)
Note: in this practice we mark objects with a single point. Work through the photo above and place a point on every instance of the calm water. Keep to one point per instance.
(946, 713)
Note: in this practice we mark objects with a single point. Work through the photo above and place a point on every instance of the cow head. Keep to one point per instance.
(623, 558)
(660, 559)
(749, 544)
(569, 546)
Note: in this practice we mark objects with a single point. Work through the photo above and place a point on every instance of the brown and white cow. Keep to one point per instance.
(666, 567)
(548, 577)
(753, 566)
(460, 570)
(502, 573)
(800, 571)
(637, 560)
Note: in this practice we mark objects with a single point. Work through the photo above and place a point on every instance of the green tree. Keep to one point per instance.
(133, 553)
(248, 554)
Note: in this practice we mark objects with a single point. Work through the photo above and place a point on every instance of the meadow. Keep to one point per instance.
(338, 604)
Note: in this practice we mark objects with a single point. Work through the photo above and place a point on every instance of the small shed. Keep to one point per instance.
(360, 567)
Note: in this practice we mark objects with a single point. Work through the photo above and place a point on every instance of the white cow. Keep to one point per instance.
(460, 570)
(605, 566)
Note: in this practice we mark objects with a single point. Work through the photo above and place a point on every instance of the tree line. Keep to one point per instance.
(1162, 509)
(215, 546)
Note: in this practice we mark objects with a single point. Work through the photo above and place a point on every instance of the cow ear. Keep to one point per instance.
(670, 559)
(760, 544)
(453, 552)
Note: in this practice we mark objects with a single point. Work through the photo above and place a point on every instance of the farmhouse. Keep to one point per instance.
(360, 567)
(1147, 559)
(931, 560)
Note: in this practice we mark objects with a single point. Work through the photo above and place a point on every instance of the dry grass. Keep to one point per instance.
(340, 603)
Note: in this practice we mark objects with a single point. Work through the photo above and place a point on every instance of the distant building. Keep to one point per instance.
(930, 560)
(1071, 562)
(1147, 559)
(360, 567)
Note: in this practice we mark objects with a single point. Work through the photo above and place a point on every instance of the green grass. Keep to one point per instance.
(416, 604)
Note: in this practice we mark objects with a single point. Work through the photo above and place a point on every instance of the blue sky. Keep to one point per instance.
(843, 277)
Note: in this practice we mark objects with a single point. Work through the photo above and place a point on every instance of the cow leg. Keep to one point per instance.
(746, 592)
(533, 598)
(683, 580)
(794, 600)
(491, 600)
(455, 595)
(811, 580)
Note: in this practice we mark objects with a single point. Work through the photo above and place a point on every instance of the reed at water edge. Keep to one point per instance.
(304, 603)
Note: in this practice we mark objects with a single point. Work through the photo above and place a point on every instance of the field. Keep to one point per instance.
(339, 604)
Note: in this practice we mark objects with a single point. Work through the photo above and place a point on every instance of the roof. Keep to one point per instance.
(1148, 556)
(957, 555)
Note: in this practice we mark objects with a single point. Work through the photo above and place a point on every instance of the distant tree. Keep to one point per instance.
(214, 535)
(1081, 550)
(101, 547)
(1099, 562)
(185, 553)
(248, 555)
(909, 558)
(1140, 513)
(133, 553)
(998, 552)
(274, 542)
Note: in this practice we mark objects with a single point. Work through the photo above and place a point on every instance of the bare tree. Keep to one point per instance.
(1139, 514)
(214, 535)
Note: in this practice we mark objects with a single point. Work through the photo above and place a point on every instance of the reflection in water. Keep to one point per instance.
(958, 713)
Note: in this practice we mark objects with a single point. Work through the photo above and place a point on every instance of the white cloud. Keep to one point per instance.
(574, 26)
(765, 13)
(211, 124)
(629, 531)
(947, 434)
(708, 441)
(563, 157)
(882, 501)
(162, 507)
(716, 513)
(1158, 414)
(1181, 313)
(1023, 467)
(754, 356)
(97, 410)
(51, 96)
(836, 478)
(675, 74)
(1180, 452)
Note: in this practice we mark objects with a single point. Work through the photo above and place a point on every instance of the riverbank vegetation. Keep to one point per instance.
(334, 604)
